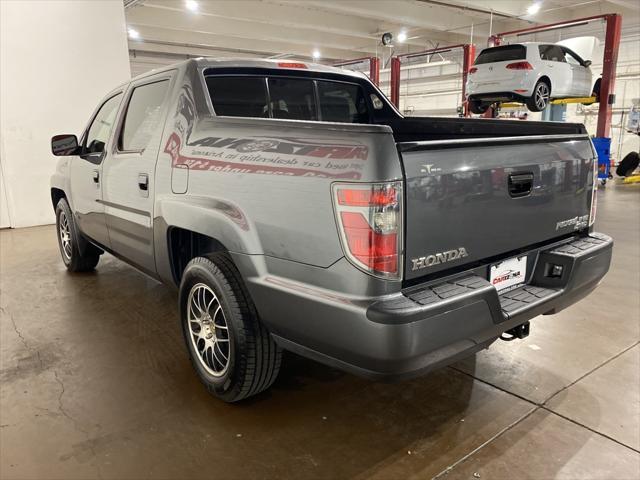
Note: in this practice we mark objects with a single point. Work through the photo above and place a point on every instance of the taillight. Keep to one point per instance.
(473, 70)
(594, 193)
(369, 219)
(520, 66)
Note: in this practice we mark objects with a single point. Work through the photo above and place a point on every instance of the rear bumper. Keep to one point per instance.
(500, 97)
(429, 325)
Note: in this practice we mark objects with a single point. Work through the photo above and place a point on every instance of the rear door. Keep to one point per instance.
(129, 174)
(555, 66)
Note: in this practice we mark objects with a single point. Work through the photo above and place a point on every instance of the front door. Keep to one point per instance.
(86, 172)
(580, 75)
(129, 172)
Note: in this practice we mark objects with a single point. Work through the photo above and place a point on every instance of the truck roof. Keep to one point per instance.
(281, 64)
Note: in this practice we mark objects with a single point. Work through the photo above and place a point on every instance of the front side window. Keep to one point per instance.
(571, 58)
(100, 129)
(143, 115)
(552, 53)
(292, 98)
(238, 96)
(342, 102)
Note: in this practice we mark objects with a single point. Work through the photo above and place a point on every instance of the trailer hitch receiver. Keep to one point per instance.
(521, 331)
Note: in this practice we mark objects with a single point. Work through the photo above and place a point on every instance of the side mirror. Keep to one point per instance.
(587, 63)
(62, 145)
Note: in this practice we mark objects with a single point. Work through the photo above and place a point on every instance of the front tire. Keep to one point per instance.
(230, 349)
(477, 107)
(73, 258)
(540, 98)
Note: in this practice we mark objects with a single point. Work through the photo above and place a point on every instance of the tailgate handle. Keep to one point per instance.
(520, 184)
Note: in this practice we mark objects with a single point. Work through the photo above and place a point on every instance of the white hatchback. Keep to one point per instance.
(533, 73)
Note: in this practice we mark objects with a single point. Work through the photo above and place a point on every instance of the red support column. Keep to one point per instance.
(469, 54)
(395, 81)
(607, 87)
(374, 70)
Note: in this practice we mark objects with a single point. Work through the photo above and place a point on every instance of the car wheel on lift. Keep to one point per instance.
(540, 98)
(477, 107)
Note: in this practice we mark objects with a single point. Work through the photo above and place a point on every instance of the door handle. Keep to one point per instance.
(143, 181)
(96, 176)
(520, 184)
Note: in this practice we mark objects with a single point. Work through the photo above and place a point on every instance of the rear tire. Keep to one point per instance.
(68, 242)
(230, 349)
(539, 99)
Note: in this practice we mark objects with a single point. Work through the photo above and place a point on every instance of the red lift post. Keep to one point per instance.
(611, 46)
(468, 52)
(374, 66)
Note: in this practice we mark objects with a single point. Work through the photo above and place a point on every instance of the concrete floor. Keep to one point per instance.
(96, 384)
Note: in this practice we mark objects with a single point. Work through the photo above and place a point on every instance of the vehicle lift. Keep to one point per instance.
(374, 67)
(469, 54)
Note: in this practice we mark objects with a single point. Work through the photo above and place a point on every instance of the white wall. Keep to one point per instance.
(57, 59)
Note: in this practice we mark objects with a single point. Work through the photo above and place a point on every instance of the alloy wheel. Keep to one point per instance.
(65, 234)
(208, 329)
(542, 96)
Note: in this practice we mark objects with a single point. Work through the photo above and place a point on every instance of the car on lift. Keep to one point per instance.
(532, 73)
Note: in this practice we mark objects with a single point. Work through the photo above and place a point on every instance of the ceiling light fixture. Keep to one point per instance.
(533, 8)
(402, 36)
(191, 5)
(316, 54)
(134, 34)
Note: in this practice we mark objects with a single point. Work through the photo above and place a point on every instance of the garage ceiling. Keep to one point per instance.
(169, 31)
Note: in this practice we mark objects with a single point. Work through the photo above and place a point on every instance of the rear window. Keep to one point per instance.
(292, 98)
(288, 98)
(238, 96)
(342, 102)
(502, 54)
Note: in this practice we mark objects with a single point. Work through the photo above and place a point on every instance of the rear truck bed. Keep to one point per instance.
(497, 230)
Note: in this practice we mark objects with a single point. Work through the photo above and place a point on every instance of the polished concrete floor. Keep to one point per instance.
(96, 384)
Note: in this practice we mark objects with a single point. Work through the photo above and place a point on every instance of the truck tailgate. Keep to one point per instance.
(476, 199)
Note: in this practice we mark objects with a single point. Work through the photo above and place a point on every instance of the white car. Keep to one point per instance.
(533, 73)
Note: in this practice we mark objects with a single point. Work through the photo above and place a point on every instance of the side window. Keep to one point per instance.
(292, 98)
(571, 59)
(342, 102)
(143, 115)
(551, 52)
(98, 132)
(238, 96)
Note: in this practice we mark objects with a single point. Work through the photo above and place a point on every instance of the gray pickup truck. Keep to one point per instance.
(295, 208)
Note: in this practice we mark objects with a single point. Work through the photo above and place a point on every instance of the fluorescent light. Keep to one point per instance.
(191, 5)
(402, 36)
(316, 54)
(533, 8)
(134, 34)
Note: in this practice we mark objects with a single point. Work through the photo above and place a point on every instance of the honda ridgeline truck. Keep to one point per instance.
(295, 208)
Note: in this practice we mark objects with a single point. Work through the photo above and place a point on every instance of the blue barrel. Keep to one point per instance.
(603, 146)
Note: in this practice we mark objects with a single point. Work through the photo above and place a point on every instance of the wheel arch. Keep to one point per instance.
(191, 227)
(547, 80)
(56, 195)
